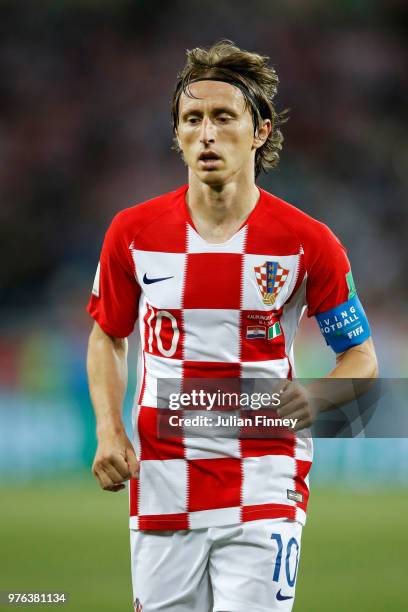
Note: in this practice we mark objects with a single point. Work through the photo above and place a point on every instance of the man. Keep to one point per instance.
(218, 274)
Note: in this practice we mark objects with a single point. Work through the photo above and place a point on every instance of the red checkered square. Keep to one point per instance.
(153, 447)
(268, 233)
(163, 332)
(260, 348)
(209, 369)
(214, 483)
(258, 447)
(213, 280)
(302, 470)
(267, 511)
(206, 375)
(164, 226)
(133, 496)
(163, 522)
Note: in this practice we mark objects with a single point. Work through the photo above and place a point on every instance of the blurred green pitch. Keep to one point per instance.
(72, 537)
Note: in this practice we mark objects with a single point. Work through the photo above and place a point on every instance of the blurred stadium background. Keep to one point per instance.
(84, 132)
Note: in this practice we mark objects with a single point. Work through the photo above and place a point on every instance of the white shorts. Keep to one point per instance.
(240, 568)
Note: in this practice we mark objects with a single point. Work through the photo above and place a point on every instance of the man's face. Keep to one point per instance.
(216, 132)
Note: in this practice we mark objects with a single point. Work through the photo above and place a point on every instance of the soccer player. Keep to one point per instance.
(217, 273)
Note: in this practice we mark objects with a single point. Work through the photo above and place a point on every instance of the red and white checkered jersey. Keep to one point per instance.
(227, 310)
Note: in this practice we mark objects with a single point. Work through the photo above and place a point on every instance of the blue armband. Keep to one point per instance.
(345, 325)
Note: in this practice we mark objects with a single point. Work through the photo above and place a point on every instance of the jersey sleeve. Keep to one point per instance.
(331, 294)
(327, 266)
(115, 294)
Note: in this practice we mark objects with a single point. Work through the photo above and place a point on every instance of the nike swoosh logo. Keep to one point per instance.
(149, 281)
(281, 597)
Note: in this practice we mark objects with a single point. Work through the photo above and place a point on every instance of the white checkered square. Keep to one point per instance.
(212, 447)
(300, 515)
(265, 478)
(252, 297)
(196, 244)
(213, 518)
(215, 340)
(304, 446)
(276, 368)
(158, 481)
(159, 367)
(166, 293)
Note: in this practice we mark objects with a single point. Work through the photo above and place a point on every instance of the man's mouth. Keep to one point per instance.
(208, 159)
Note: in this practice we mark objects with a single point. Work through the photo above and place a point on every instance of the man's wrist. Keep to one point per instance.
(317, 393)
(109, 427)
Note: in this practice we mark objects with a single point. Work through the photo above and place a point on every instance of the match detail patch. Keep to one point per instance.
(260, 331)
(294, 495)
(345, 325)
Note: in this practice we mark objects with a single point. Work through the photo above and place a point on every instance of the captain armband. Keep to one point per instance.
(345, 325)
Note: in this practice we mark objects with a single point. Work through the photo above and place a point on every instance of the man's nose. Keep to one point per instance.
(207, 131)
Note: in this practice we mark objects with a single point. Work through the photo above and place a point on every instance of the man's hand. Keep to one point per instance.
(115, 461)
(298, 403)
(357, 364)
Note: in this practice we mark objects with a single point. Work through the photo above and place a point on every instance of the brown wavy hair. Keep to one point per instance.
(250, 72)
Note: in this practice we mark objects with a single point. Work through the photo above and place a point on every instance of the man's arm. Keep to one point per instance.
(305, 403)
(357, 362)
(115, 459)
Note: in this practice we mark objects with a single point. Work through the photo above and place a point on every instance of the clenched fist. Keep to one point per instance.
(115, 461)
(298, 403)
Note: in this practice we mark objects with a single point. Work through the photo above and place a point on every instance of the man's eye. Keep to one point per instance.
(192, 120)
(224, 118)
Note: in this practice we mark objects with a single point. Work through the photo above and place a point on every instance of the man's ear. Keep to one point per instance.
(262, 133)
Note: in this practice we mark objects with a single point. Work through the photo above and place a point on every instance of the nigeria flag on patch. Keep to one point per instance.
(274, 331)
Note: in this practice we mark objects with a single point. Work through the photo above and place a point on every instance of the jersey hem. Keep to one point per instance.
(187, 521)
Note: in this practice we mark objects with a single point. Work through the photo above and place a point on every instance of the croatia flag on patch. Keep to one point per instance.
(256, 331)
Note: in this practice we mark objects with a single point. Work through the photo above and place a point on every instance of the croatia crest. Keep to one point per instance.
(270, 278)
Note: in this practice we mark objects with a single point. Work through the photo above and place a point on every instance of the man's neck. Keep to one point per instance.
(219, 211)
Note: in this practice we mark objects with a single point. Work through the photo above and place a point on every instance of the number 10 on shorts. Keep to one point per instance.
(291, 552)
